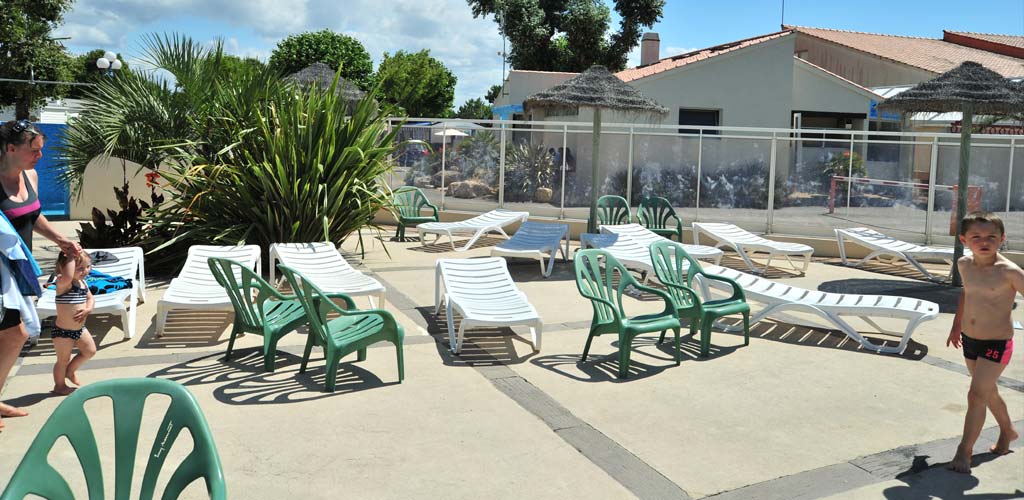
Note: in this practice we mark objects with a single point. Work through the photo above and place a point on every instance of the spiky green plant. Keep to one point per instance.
(301, 171)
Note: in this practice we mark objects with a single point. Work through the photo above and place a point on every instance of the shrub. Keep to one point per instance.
(527, 168)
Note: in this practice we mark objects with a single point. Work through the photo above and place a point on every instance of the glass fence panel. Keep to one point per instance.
(734, 181)
(417, 163)
(472, 155)
(1015, 210)
(612, 165)
(666, 166)
(891, 195)
(804, 168)
(533, 170)
(988, 182)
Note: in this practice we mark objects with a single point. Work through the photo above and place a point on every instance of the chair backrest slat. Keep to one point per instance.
(409, 200)
(599, 275)
(613, 209)
(656, 212)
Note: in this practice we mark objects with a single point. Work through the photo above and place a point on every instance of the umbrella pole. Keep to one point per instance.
(966, 124)
(594, 164)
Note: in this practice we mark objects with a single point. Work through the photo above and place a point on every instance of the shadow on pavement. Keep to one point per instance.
(926, 481)
(243, 381)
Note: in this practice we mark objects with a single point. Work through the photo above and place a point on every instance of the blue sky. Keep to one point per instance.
(469, 47)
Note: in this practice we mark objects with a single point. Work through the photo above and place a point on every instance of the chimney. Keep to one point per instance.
(650, 48)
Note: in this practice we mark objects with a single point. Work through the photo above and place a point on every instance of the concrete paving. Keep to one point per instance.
(799, 413)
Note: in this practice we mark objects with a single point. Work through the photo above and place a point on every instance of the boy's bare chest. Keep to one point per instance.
(987, 284)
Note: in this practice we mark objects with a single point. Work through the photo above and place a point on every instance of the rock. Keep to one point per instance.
(543, 195)
(469, 189)
(422, 181)
(450, 176)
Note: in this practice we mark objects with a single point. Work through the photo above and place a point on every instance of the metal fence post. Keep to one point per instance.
(932, 168)
(501, 169)
(771, 184)
(700, 158)
(1009, 178)
(849, 183)
(629, 170)
(444, 154)
(565, 145)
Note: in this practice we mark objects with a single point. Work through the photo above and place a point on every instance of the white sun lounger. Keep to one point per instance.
(778, 298)
(323, 265)
(625, 250)
(475, 227)
(483, 293)
(129, 266)
(746, 244)
(196, 288)
(536, 240)
(882, 246)
(645, 238)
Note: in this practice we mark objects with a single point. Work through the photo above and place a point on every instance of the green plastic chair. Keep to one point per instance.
(35, 476)
(613, 209)
(671, 264)
(657, 214)
(272, 314)
(351, 331)
(409, 202)
(603, 279)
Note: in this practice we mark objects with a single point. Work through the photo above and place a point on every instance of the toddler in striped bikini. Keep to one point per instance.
(74, 303)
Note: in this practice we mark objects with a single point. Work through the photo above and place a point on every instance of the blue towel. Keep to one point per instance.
(99, 282)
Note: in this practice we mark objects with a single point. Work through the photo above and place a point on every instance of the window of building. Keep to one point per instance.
(699, 118)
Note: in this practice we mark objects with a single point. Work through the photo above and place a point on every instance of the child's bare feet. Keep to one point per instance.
(62, 390)
(73, 377)
(961, 462)
(7, 410)
(1002, 445)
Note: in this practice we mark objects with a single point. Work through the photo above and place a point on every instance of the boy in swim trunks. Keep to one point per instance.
(74, 302)
(984, 329)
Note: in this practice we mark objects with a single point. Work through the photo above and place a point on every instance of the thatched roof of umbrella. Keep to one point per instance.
(987, 91)
(322, 76)
(594, 88)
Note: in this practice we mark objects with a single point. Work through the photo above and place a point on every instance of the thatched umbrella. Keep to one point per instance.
(969, 88)
(598, 89)
(321, 76)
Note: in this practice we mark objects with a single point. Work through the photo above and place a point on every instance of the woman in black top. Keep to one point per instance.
(21, 146)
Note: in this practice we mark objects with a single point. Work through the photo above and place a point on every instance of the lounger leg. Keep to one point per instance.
(126, 324)
(535, 332)
(451, 329)
(380, 299)
(161, 320)
(461, 336)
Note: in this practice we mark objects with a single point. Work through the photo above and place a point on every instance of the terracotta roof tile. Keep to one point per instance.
(628, 75)
(1011, 40)
(930, 54)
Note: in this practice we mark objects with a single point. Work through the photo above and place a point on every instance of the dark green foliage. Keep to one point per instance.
(569, 35)
(125, 227)
(416, 82)
(474, 109)
(493, 93)
(527, 168)
(333, 49)
(741, 186)
(27, 48)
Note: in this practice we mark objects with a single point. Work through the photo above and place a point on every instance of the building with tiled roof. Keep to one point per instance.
(1008, 45)
(876, 60)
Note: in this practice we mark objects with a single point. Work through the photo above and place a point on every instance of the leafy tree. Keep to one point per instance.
(569, 35)
(333, 49)
(28, 50)
(493, 93)
(83, 70)
(418, 83)
(233, 67)
(474, 109)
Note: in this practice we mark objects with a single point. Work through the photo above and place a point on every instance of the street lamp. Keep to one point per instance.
(109, 63)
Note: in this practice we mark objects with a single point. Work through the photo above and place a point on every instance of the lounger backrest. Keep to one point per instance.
(197, 271)
(657, 213)
(409, 201)
(613, 209)
(641, 235)
(601, 278)
(476, 279)
(537, 235)
(310, 258)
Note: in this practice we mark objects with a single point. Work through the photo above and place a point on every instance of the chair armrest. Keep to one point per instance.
(670, 305)
(685, 289)
(737, 290)
(349, 303)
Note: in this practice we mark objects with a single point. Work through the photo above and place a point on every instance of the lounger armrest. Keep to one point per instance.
(737, 290)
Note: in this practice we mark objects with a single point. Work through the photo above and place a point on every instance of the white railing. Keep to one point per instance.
(770, 180)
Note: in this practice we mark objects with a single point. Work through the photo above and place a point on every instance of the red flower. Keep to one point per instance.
(151, 179)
